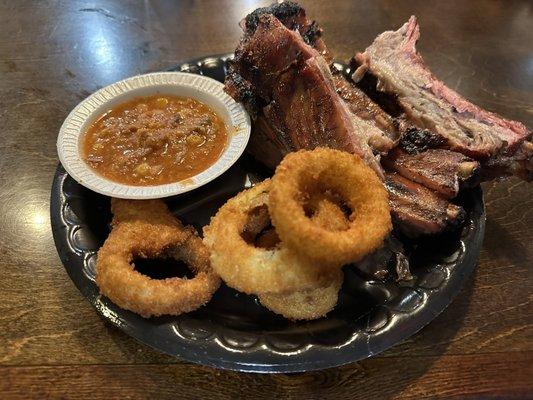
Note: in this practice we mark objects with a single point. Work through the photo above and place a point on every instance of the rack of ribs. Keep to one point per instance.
(502, 146)
(284, 75)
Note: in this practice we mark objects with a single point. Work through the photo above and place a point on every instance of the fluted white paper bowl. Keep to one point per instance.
(201, 88)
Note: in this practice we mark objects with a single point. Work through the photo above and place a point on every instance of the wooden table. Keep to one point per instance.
(54, 345)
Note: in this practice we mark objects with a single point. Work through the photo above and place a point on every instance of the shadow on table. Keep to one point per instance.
(500, 244)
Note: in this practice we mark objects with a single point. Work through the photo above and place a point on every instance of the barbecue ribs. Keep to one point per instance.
(421, 138)
(464, 127)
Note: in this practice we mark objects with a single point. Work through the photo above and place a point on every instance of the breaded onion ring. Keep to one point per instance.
(268, 239)
(252, 269)
(324, 211)
(146, 229)
(307, 304)
(153, 211)
(313, 303)
(344, 174)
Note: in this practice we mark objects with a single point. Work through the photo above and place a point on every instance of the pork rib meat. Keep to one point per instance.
(296, 102)
(415, 209)
(444, 171)
(294, 90)
(400, 70)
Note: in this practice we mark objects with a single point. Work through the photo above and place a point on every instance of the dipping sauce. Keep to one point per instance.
(155, 140)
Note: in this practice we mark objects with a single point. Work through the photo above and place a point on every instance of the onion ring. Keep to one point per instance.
(252, 269)
(267, 239)
(323, 210)
(147, 229)
(313, 303)
(153, 211)
(307, 304)
(304, 172)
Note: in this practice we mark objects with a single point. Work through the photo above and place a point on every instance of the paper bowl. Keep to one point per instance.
(201, 88)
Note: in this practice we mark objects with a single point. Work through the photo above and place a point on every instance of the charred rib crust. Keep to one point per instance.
(414, 140)
(241, 90)
(312, 33)
(291, 15)
(282, 11)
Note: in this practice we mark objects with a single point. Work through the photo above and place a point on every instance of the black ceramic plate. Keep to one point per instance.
(233, 331)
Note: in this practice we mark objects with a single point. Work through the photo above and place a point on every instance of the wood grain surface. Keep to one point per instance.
(54, 345)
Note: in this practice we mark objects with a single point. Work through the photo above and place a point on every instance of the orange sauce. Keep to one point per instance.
(155, 140)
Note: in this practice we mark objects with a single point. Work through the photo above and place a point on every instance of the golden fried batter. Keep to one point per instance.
(147, 229)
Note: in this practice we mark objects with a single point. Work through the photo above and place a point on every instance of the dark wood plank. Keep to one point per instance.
(55, 53)
(474, 376)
